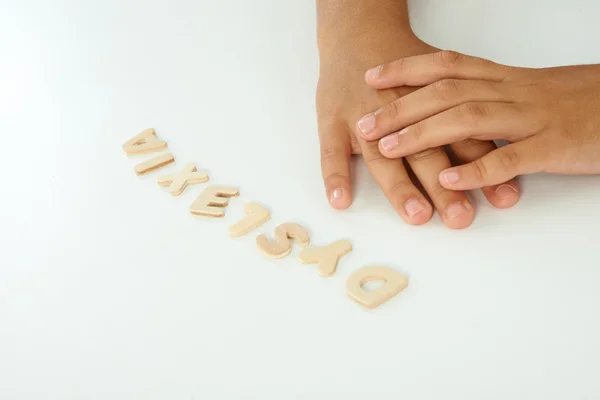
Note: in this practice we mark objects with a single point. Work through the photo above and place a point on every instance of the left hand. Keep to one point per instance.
(551, 115)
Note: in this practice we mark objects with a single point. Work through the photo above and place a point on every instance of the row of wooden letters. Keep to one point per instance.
(212, 201)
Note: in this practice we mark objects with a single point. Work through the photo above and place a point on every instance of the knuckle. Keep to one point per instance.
(418, 131)
(512, 72)
(392, 110)
(437, 190)
(468, 145)
(472, 111)
(330, 154)
(424, 155)
(397, 187)
(354, 145)
(471, 149)
(336, 176)
(376, 160)
(480, 170)
(397, 66)
(477, 110)
(446, 89)
(507, 159)
(449, 58)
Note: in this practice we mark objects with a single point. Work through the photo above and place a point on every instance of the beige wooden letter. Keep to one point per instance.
(282, 245)
(178, 182)
(394, 283)
(256, 216)
(212, 200)
(327, 257)
(144, 142)
(154, 163)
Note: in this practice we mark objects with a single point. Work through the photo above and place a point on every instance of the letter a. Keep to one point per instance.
(144, 142)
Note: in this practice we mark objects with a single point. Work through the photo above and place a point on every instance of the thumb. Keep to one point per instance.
(494, 168)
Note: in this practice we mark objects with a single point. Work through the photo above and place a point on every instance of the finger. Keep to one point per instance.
(335, 164)
(485, 121)
(425, 69)
(395, 182)
(494, 168)
(426, 102)
(453, 206)
(503, 195)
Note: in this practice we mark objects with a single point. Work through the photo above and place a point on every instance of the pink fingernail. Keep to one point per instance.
(451, 177)
(454, 210)
(389, 142)
(337, 193)
(505, 191)
(374, 73)
(413, 207)
(336, 197)
(366, 124)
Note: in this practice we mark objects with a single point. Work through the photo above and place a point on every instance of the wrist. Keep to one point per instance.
(368, 49)
(364, 23)
(364, 38)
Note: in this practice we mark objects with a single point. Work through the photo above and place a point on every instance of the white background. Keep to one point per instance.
(110, 289)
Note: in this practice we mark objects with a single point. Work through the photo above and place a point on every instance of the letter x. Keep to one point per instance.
(178, 182)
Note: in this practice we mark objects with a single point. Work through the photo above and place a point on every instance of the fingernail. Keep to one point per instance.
(413, 207)
(454, 210)
(366, 124)
(336, 194)
(389, 142)
(505, 191)
(451, 177)
(374, 73)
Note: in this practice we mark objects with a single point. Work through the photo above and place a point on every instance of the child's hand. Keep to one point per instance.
(551, 116)
(342, 97)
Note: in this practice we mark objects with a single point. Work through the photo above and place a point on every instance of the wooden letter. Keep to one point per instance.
(154, 163)
(178, 182)
(144, 142)
(326, 257)
(282, 245)
(212, 200)
(394, 283)
(256, 216)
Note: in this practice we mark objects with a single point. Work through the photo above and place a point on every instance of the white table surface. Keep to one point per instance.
(110, 289)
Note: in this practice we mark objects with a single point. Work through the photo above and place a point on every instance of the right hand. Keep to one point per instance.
(343, 98)
(472, 98)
